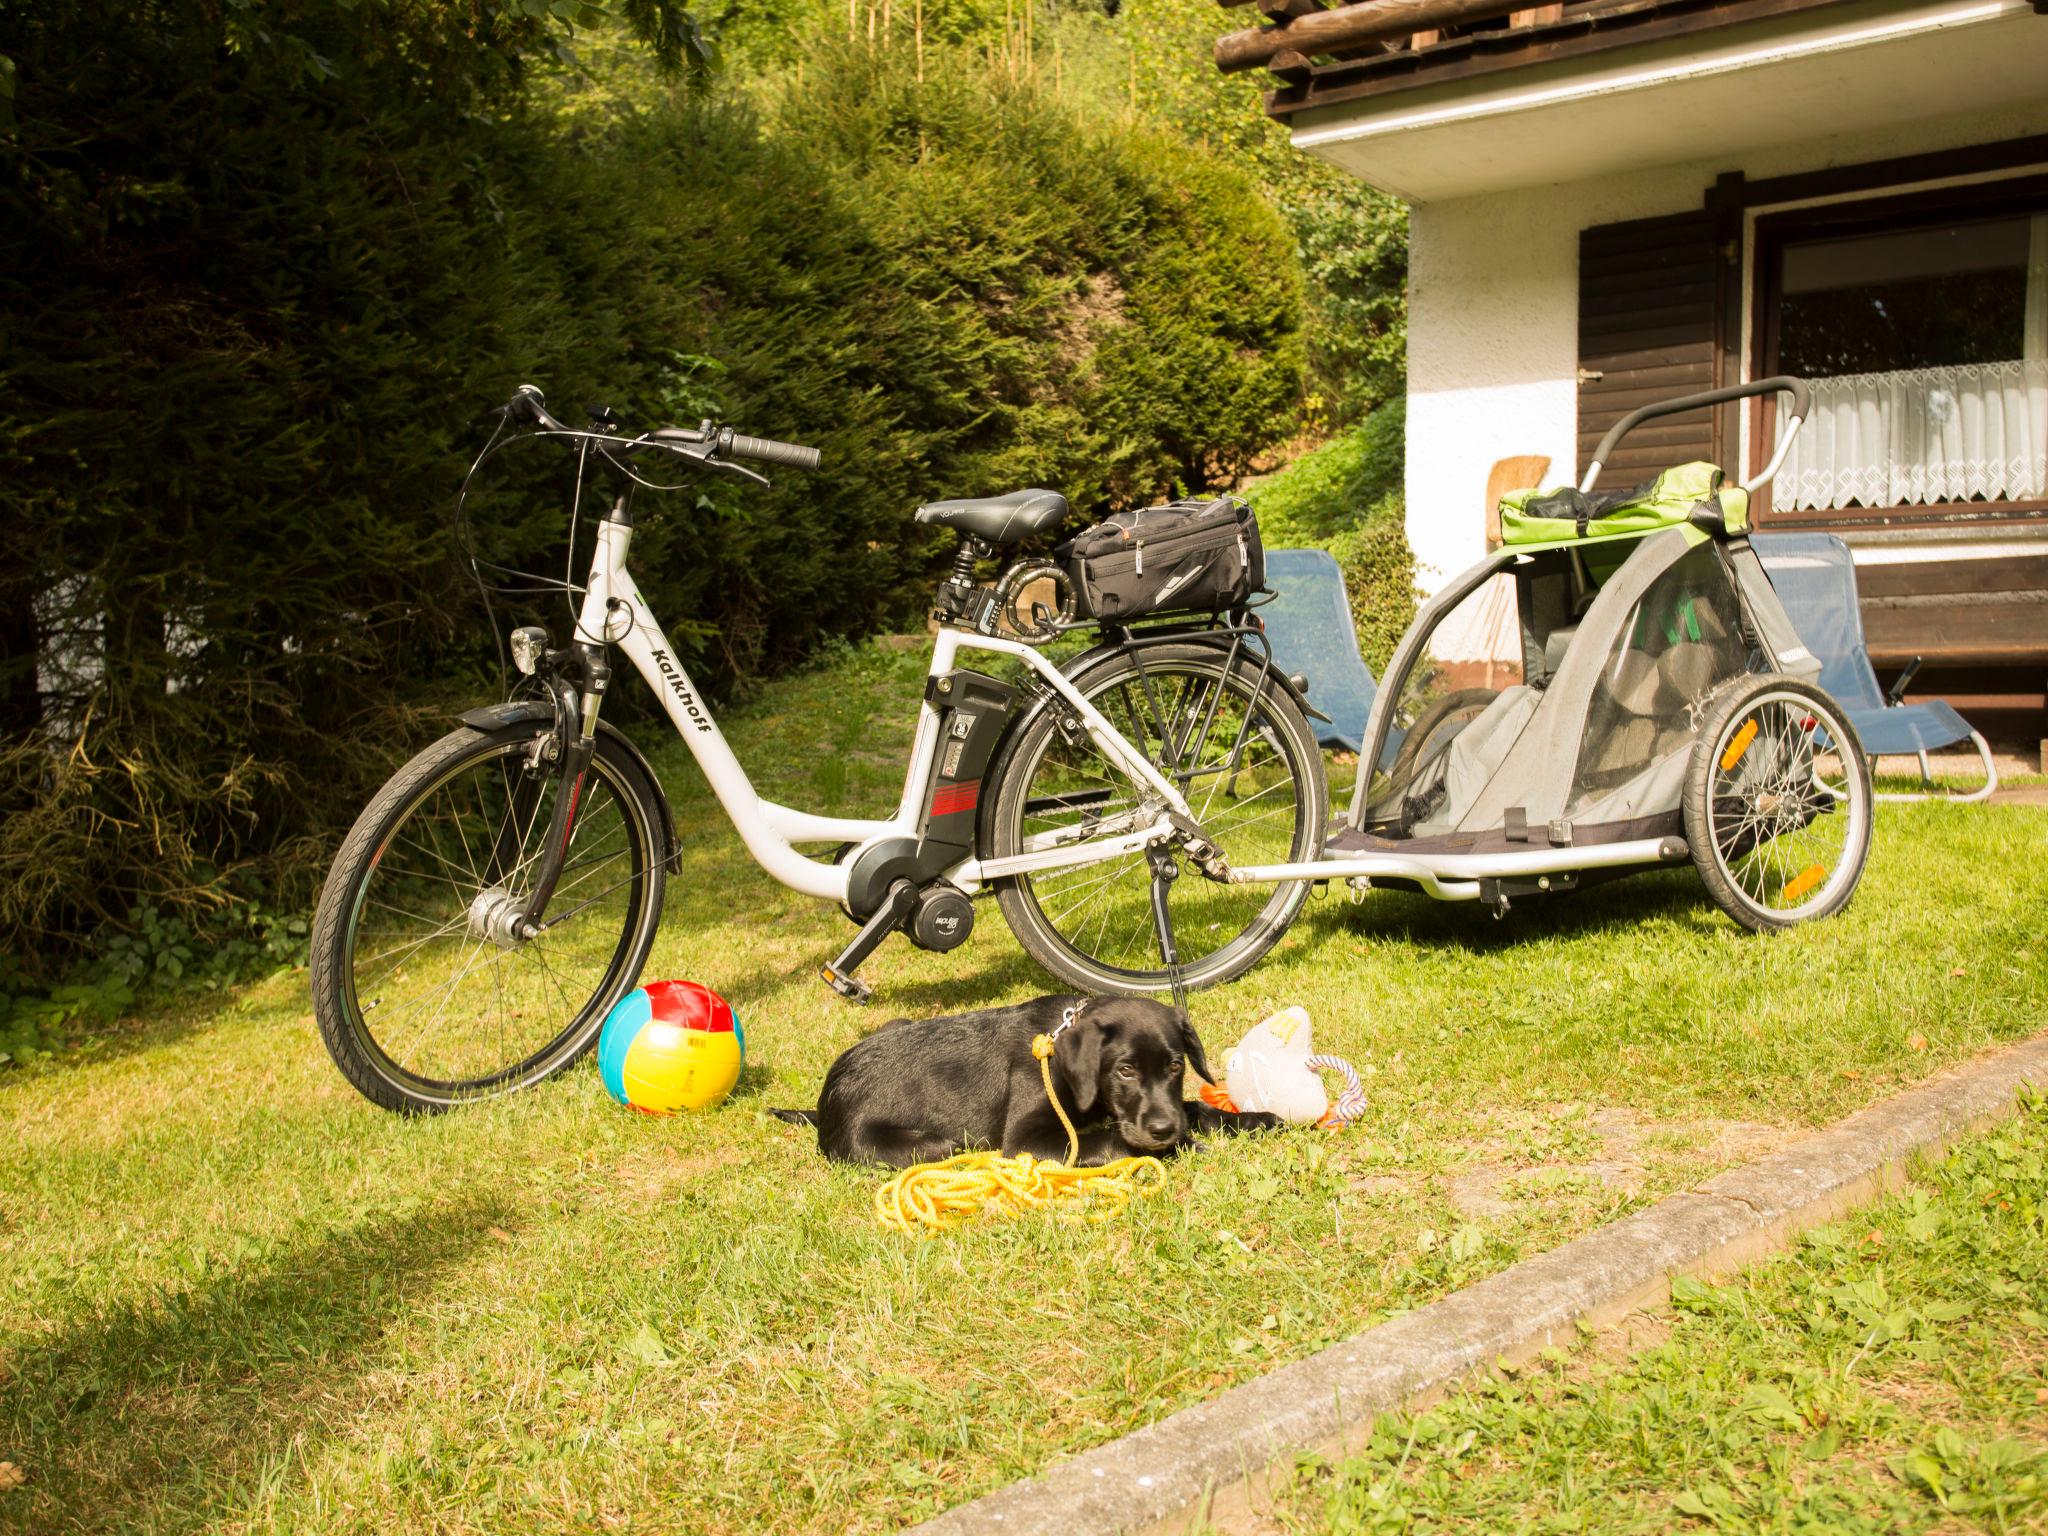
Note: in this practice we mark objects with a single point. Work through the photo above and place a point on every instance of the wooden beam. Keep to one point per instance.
(1289, 67)
(1348, 25)
(1537, 15)
(1870, 175)
(1476, 54)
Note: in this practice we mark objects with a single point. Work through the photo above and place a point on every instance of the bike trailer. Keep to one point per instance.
(1615, 687)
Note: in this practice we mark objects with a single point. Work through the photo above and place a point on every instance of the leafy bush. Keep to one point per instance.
(1106, 306)
(1155, 57)
(249, 309)
(1346, 497)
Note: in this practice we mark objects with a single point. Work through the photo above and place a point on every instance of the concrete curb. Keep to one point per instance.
(1212, 1460)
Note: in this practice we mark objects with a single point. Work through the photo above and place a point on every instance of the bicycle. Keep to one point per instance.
(503, 889)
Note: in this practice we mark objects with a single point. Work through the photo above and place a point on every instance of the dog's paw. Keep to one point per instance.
(1255, 1120)
(1207, 1120)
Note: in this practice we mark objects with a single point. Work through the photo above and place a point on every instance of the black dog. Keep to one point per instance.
(916, 1091)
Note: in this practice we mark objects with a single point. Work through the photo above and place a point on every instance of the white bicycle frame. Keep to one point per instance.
(615, 611)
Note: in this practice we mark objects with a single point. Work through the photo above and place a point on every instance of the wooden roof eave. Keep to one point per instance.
(1584, 29)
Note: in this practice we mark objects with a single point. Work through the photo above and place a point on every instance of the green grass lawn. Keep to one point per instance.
(234, 1296)
(1890, 1374)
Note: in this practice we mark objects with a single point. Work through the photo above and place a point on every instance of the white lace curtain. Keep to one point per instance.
(1924, 436)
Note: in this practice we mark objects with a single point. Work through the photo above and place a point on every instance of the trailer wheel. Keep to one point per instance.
(1777, 803)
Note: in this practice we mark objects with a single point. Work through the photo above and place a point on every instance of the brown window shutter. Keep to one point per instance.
(1649, 307)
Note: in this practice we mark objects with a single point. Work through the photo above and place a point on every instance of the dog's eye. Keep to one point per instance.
(1127, 1071)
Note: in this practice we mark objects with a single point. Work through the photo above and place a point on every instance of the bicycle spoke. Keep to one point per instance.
(1193, 724)
(441, 999)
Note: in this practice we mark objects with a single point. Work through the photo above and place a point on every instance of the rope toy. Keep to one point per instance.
(1274, 1068)
(1351, 1102)
(931, 1198)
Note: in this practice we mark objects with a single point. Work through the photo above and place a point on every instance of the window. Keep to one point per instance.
(1924, 332)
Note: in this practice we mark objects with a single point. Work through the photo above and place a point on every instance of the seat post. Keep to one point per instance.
(972, 551)
(957, 592)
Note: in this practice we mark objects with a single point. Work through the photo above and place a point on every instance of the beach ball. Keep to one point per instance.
(670, 1045)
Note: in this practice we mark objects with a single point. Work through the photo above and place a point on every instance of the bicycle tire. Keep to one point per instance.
(1749, 804)
(377, 847)
(1295, 759)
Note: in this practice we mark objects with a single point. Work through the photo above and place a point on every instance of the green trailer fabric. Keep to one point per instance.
(1547, 519)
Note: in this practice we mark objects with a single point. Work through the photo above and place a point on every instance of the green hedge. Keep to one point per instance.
(249, 311)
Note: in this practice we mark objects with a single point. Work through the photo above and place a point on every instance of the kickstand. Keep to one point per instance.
(888, 916)
(1164, 873)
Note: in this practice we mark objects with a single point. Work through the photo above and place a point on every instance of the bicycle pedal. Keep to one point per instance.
(852, 988)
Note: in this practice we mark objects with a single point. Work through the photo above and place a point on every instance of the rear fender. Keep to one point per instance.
(1076, 672)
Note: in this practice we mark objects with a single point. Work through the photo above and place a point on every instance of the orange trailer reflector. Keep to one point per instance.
(1739, 745)
(1805, 881)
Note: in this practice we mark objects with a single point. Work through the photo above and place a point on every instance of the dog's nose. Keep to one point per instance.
(1162, 1127)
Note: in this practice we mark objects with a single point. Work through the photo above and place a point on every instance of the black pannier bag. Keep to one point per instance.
(1185, 555)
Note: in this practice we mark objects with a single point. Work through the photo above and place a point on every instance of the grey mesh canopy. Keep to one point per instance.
(1584, 737)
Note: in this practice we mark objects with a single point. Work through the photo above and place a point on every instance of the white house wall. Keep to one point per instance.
(1493, 313)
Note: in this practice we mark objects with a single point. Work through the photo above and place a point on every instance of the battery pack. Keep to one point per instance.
(973, 709)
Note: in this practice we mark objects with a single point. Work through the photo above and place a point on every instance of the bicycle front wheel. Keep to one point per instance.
(422, 1000)
(1234, 743)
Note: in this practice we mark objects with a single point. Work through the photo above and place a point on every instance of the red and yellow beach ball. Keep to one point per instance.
(670, 1045)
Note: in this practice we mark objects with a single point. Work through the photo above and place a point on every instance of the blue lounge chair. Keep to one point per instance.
(1309, 627)
(1815, 577)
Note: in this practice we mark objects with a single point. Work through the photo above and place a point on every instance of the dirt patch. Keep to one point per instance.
(660, 1175)
(1610, 1145)
(1634, 1333)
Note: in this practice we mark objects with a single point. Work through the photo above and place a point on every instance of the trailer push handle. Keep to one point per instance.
(1802, 406)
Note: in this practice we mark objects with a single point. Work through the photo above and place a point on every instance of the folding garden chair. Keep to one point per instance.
(1815, 578)
(1310, 630)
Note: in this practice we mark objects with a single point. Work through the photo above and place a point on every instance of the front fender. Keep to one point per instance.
(493, 717)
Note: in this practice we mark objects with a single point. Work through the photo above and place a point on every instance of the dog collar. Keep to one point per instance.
(1042, 1045)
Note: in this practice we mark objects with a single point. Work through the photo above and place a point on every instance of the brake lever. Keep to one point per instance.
(739, 469)
(701, 455)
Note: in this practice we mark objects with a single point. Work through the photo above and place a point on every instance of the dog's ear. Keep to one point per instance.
(1079, 1059)
(1191, 1043)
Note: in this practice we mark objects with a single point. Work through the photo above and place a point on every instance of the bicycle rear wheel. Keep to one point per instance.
(421, 999)
(1236, 746)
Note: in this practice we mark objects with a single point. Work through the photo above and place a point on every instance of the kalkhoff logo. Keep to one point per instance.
(681, 689)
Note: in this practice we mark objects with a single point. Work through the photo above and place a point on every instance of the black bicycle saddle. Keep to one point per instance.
(999, 519)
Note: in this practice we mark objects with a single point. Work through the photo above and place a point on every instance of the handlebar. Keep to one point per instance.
(1802, 404)
(707, 443)
(527, 402)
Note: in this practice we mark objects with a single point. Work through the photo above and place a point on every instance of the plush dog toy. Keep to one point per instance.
(1274, 1068)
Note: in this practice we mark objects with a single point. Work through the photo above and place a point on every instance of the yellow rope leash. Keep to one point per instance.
(937, 1197)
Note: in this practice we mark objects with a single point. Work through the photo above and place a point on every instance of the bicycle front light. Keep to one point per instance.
(529, 644)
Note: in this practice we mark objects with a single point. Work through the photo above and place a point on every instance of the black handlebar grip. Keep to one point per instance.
(768, 451)
(529, 404)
